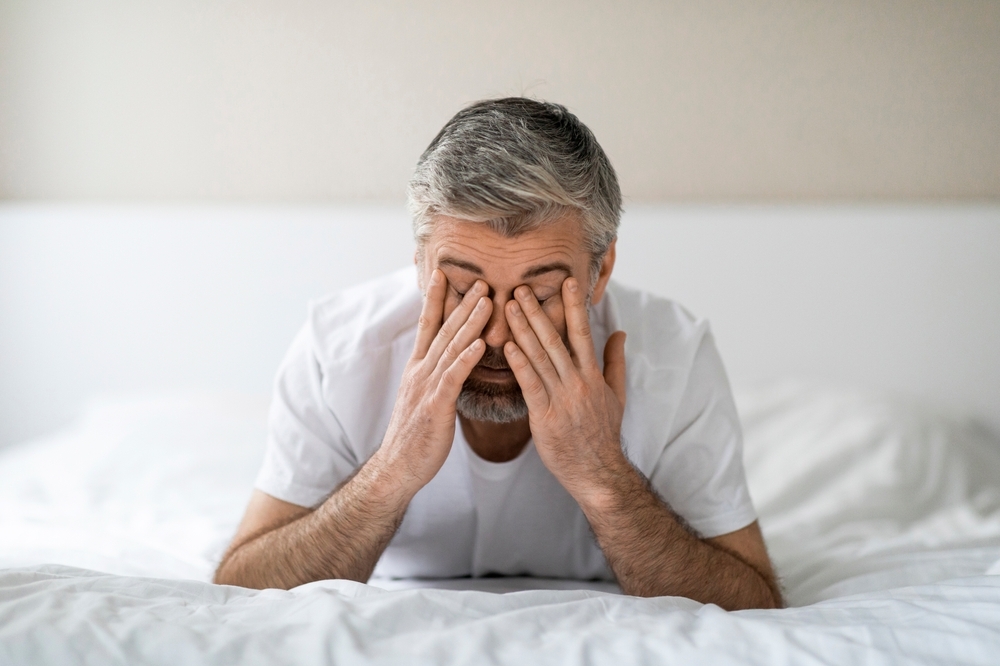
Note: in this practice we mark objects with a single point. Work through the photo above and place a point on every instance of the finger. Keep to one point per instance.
(455, 321)
(578, 324)
(544, 331)
(532, 387)
(614, 365)
(454, 376)
(530, 346)
(470, 330)
(431, 313)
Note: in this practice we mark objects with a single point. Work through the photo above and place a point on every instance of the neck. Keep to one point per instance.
(496, 442)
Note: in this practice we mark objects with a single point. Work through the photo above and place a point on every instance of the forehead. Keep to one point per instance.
(556, 241)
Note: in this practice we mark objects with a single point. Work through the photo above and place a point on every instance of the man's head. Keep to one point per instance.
(513, 192)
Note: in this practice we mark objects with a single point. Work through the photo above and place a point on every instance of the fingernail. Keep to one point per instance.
(515, 309)
(510, 348)
(481, 304)
(435, 276)
(571, 283)
(521, 292)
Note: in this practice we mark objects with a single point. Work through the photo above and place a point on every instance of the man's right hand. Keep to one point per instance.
(283, 545)
(422, 425)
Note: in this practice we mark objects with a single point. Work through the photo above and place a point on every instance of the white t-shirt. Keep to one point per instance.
(336, 389)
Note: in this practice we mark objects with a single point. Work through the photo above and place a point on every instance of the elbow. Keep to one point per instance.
(771, 597)
(777, 600)
(223, 576)
(227, 573)
(768, 597)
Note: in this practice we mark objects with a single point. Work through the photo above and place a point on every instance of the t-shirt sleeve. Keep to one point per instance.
(700, 472)
(308, 454)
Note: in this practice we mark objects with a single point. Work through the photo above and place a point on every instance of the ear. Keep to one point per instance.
(604, 274)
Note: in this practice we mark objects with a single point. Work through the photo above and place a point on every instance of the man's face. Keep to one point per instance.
(540, 259)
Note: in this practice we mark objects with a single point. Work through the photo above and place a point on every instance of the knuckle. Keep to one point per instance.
(424, 322)
(451, 351)
(539, 356)
(408, 381)
(411, 382)
(446, 331)
(552, 339)
(448, 378)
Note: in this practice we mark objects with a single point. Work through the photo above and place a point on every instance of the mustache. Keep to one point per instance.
(493, 359)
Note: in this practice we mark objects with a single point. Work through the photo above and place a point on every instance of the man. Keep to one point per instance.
(461, 422)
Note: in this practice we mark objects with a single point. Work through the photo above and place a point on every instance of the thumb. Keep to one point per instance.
(614, 364)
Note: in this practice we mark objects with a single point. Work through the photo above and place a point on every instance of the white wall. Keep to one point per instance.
(136, 299)
(309, 100)
(905, 299)
(130, 299)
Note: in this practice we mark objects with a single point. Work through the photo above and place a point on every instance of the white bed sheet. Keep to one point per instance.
(892, 502)
(63, 616)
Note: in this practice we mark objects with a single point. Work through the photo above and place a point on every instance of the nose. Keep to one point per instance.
(497, 332)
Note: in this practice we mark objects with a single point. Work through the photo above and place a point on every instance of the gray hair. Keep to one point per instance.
(513, 164)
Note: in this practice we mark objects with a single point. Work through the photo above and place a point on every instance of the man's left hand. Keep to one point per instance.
(574, 410)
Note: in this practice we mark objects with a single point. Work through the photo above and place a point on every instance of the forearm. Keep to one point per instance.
(347, 534)
(342, 538)
(653, 553)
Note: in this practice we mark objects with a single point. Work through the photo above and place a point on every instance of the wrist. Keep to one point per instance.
(609, 486)
(386, 479)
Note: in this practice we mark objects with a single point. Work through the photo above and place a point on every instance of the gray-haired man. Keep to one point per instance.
(461, 420)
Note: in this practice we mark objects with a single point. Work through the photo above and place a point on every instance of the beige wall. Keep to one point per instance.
(308, 100)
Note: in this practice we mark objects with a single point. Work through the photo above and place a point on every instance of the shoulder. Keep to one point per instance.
(680, 427)
(364, 319)
(661, 332)
(348, 358)
(662, 352)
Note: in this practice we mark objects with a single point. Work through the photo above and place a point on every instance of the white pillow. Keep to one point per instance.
(849, 484)
(150, 486)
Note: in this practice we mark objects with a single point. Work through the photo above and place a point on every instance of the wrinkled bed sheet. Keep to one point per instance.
(61, 616)
(882, 517)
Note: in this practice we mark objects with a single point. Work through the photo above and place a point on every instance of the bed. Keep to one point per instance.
(881, 512)
(880, 509)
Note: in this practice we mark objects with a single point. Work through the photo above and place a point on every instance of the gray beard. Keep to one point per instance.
(487, 401)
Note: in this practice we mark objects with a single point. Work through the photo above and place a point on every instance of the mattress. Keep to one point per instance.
(882, 516)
